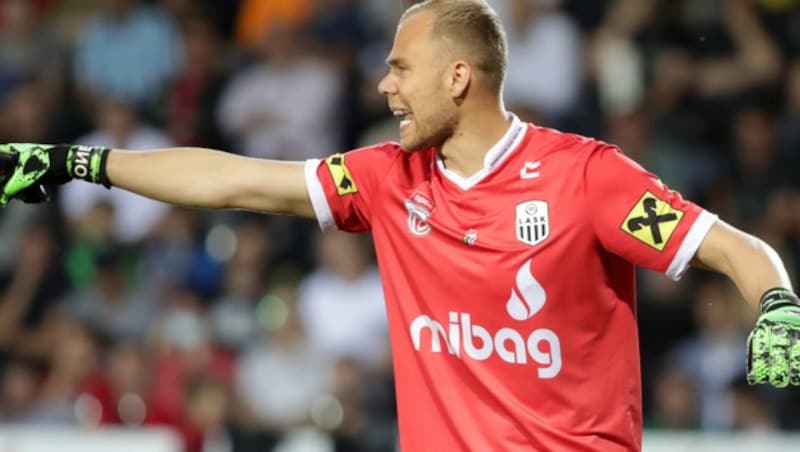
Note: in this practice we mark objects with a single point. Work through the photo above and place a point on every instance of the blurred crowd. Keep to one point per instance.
(245, 332)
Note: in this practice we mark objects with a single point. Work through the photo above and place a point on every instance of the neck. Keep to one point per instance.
(478, 129)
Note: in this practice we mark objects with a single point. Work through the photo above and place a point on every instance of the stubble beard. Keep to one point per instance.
(431, 133)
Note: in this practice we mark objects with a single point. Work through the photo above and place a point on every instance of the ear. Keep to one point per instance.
(460, 76)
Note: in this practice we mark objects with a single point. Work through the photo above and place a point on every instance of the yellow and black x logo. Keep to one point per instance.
(652, 221)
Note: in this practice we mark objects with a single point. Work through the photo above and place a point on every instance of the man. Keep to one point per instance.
(507, 250)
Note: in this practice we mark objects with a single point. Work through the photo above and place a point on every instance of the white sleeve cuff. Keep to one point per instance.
(317, 196)
(692, 241)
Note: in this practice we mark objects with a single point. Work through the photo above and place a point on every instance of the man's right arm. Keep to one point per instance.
(212, 179)
(187, 176)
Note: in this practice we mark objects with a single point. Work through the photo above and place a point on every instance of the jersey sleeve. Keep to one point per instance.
(345, 188)
(637, 217)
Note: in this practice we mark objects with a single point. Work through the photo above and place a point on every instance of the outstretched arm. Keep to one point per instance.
(188, 176)
(212, 179)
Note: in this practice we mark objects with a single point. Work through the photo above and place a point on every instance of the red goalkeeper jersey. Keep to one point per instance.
(510, 294)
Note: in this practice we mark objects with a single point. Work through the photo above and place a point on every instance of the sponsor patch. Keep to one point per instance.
(652, 221)
(345, 185)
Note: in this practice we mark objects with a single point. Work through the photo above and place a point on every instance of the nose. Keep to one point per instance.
(387, 86)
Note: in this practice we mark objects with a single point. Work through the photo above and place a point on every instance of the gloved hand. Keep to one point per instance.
(773, 347)
(26, 167)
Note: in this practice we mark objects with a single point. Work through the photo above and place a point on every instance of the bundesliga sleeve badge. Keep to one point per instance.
(652, 221)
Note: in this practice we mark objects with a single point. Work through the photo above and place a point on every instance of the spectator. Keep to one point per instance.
(186, 359)
(789, 134)
(114, 307)
(544, 52)
(714, 355)
(258, 18)
(24, 113)
(192, 99)
(283, 106)
(129, 51)
(759, 169)
(234, 322)
(751, 412)
(134, 216)
(675, 402)
(222, 14)
(28, 51)
(72, 361)
(361, 428)
(19, 389)
(341, 303)
(176, 254)
(298, 374)
(30, 292)
(90, 236)
(207, 411)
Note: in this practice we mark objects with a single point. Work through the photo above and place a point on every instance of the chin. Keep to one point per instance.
(408, 145)
(416, 144)
(410, 149)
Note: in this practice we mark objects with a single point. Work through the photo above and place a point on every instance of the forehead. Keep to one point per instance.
(413, 35)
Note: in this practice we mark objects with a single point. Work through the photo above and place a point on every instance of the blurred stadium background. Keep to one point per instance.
(127, 324)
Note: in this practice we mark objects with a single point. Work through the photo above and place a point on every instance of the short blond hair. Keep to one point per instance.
(476, 32)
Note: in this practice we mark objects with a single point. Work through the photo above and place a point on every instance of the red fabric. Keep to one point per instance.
(559, 370)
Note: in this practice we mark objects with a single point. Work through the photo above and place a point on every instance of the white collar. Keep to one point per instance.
(493, 158)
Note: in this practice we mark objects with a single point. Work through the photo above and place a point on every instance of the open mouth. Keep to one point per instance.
(404, 116)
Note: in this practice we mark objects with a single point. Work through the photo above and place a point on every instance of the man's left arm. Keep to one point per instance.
(752, 264)
(773, 347)
(649, 225)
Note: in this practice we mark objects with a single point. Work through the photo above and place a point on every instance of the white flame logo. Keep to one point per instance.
(528, 297)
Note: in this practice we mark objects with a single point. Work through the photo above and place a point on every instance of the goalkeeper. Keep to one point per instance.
(477, 214)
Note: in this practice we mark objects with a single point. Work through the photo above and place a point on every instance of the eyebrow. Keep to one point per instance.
(394, 62)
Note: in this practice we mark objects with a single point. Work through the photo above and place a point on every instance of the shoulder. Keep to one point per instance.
(386, 153)
(552, 141)
(389, 149)
(384, 160)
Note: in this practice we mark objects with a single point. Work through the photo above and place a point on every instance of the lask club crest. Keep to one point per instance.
(533, 222)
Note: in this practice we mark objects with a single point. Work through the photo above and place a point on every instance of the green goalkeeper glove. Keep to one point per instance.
(26, 167)
(773, 347)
